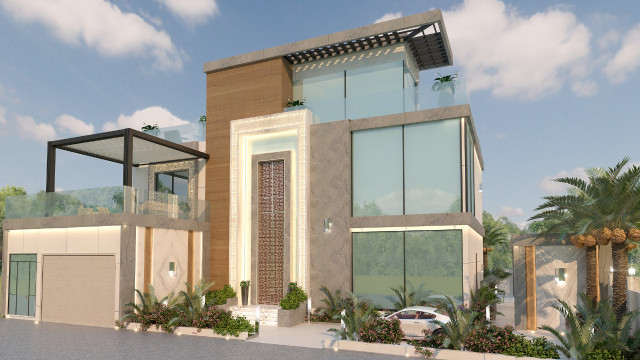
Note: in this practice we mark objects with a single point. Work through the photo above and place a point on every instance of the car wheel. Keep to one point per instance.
(438, 331)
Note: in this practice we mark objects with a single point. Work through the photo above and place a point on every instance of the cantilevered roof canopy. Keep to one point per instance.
(127, 147)
(424, 33)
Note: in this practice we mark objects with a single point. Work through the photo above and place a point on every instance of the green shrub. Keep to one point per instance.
(332, 309)
(293, 299)
(495, 340)
(223, 323)
(381, 331)
(355, 315)
(220, 296)
(502, 340)
(605, 354)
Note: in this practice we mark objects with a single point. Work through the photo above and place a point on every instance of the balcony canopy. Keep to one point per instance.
(127, 147)
(424, 34)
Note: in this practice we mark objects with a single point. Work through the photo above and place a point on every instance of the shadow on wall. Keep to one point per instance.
(549, 259)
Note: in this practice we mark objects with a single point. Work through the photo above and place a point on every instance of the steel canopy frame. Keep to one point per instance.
(127, 160)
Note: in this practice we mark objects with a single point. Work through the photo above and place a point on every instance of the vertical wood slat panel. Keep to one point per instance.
(148, 257)
(190, 262)
(246, 91)
(530, 276)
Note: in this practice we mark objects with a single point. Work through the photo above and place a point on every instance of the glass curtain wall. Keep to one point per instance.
(469, 163)
(376, 82)
(428, 262)
(411, 169)
(22, 284)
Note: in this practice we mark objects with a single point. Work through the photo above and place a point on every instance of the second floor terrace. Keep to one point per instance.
(106, 200)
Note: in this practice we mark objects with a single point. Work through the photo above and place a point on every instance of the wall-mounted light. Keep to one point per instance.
(632, 271)
(561, 276)
(611, 269)
(327, 225)
(172, 269)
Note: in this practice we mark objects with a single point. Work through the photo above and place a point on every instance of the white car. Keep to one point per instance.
(415, 319)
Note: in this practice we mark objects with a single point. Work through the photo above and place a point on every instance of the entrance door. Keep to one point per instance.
(22, 284)
(271, 231)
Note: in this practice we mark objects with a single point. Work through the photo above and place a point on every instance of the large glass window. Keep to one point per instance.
(378, 265)
(427, 262)
(433, 262)
(22, 284)
(411, 169)
(432, 167)
(377, 172)
(173, 182)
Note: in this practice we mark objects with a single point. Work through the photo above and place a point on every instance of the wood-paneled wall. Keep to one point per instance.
(236, 93)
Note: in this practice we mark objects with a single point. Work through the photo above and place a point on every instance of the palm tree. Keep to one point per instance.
(494, 235)
(461, 323)
(570, 214)
(603, 209)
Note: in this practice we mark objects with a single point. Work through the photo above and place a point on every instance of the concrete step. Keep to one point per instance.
(268, 313)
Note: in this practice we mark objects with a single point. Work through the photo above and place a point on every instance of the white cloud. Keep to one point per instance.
(75, 126)
(609, 39)
(389, 16)
(517, 56)
(584, 88)
(196, 11)
(100, 25)
(549, 186)
(627, 59)
(3, 116)
(150, 116)
(509, 211)
(28, 128)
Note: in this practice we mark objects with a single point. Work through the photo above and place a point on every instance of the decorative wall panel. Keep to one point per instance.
(271, 193)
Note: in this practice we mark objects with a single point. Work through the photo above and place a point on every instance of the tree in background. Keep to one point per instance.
(4, 192)
(495, 235)
(502, 255)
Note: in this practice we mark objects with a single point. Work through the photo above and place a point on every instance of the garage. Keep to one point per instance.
(79, 289)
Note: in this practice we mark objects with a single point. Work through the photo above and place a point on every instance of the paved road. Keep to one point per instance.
(20, 339)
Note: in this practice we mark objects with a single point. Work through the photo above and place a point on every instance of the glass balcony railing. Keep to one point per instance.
(181, 133)
(384, 103)
(107, 200)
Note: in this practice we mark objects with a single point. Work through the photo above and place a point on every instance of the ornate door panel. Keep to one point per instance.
(271, 231)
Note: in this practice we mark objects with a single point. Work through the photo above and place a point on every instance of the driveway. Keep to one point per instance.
(20, 339)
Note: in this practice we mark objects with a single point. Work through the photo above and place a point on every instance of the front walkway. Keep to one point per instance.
(303, 335)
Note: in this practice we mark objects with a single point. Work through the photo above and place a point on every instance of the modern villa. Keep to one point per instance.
(321, 162)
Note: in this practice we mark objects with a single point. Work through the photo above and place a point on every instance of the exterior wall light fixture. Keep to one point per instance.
(632, 271)
(561, 275)
(172, 269)
(327, 225)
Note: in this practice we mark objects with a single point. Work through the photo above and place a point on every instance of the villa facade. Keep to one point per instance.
(320, 164)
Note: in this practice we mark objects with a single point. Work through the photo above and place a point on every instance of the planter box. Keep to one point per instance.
(458, 355)
(137, 327)
(387, 349)
(289, 318)
(183, 330)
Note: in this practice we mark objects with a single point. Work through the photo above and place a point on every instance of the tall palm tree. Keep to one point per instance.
(494, 235)
(603, 209)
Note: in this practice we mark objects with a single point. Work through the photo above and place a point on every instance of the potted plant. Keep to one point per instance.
(151, 129)
(298, 104)
(446, 86)
(244, 287)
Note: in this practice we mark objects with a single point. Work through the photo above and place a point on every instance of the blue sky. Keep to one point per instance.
(553, 85)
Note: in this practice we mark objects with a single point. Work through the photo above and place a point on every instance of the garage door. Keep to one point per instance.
(79, 289)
